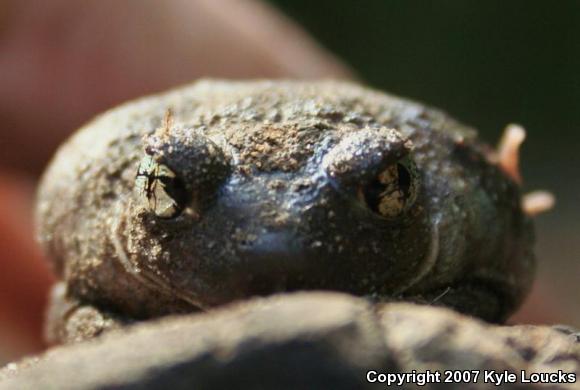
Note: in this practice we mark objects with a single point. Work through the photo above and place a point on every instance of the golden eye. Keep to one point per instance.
(159, 187)
(393, 191)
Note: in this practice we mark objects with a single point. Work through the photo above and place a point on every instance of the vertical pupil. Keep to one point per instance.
(174, 188)
(372, 194)
(404, 179)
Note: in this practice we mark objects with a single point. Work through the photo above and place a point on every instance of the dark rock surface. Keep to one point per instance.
(302, 340)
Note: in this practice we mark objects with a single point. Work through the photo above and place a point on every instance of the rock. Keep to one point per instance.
(281, 342)
(300, 340)
(428, 338)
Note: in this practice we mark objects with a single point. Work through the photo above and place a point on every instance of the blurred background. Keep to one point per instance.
(486, 63)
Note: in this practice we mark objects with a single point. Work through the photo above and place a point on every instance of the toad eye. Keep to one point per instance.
(393, 191)
(161, 190)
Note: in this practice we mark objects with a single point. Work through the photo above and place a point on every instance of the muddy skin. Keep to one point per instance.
(252, 188)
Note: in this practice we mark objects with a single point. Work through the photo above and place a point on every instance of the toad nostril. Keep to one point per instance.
(269, 244)
(245, 244)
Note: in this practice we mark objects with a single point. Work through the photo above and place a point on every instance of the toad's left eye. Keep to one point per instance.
(161, 190)
(393, 191)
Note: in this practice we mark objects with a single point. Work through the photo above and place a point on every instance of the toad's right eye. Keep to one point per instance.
(393, 191)
(161, 190)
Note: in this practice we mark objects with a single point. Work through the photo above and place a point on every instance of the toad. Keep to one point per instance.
(223, 190)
